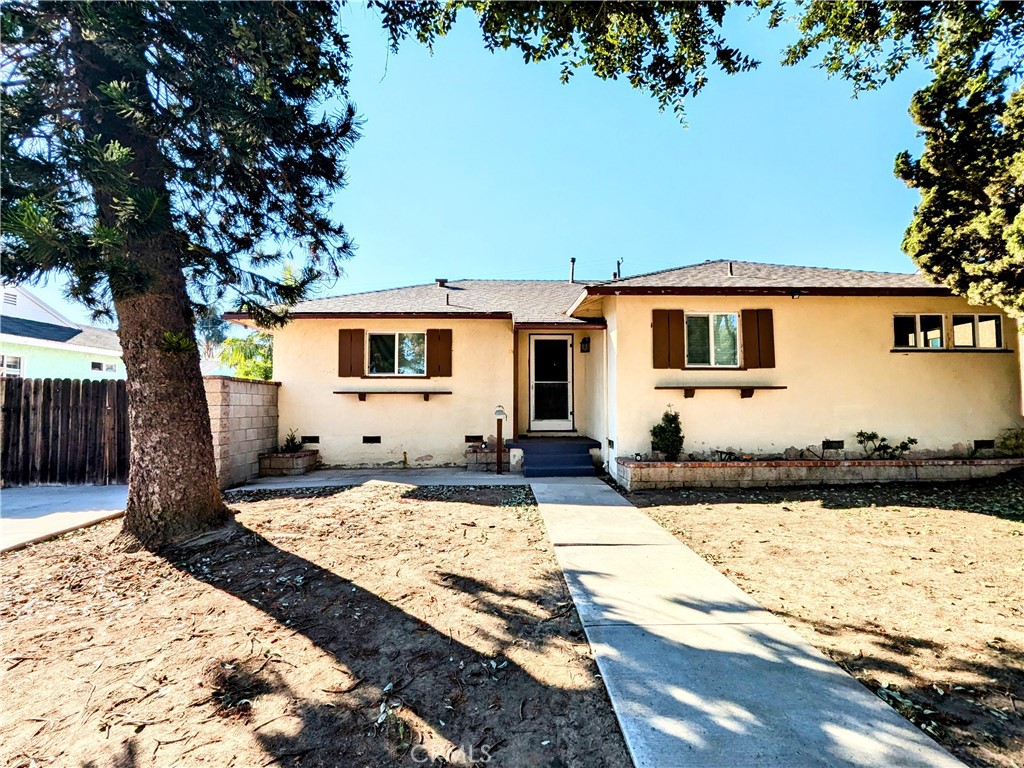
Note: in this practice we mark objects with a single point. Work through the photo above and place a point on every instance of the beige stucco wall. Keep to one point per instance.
(412, 431)
(833, 355)
(587, 380)
(243, 420)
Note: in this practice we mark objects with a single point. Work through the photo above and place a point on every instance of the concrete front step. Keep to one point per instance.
(559, 471)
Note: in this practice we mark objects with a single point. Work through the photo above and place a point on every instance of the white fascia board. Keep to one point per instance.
(25, 341)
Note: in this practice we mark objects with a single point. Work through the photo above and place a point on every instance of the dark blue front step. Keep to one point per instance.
(557, 457)
(558, 471)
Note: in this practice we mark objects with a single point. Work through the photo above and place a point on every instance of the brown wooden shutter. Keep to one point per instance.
(669, 351)
(758, 338)
(350, 351)
(439, 352)
(766, 337)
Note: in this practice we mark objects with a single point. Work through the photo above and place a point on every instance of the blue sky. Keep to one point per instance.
(474, 164)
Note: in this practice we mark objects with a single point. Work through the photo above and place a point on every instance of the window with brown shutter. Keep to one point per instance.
(758, 338)
(350, 351)
(439, 352)
(669, 340)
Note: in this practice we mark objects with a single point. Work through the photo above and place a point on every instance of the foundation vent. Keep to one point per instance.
(474, 438)
(315, 439)
(371, 439)
(984, 445)
(833, 445)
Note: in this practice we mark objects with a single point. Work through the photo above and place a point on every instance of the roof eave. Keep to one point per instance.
(768, 291)
(241, 317)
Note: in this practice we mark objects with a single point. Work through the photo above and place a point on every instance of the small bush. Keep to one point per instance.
(291, 443)
(876, 447)
(1011, 442)
(667, 436)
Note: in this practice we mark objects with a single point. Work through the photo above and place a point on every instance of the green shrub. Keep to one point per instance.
(876, 447)
(1011, 442)
(291, 443)
(667, 436)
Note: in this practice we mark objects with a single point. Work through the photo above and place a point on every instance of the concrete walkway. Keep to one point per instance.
(39, 512)
(699, 674)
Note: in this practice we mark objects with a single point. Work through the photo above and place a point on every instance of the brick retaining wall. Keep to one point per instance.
(243, 419)
(636, 475)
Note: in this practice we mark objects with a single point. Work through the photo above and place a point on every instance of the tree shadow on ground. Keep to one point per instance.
(411, 683)
(1001, 496)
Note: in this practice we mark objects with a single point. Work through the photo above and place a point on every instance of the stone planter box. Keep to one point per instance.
(636, 475)
(298, 463)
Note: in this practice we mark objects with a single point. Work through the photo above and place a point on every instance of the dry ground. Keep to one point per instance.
(916, 590)
(372, 626)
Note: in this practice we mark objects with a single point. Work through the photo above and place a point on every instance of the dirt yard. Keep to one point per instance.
(918, 591)
(373, 626)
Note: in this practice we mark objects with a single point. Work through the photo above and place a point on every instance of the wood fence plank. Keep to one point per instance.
(123, 438)
(25, 449)
(45, 424)
(66, 385)
(12, 429)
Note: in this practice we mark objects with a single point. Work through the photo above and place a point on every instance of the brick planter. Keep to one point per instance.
(637, 475)
(298, 463)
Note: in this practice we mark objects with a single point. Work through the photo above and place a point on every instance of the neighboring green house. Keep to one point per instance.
(38, 342)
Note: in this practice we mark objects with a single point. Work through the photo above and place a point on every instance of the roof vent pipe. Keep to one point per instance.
(730, 269)
(441, 282)
(572, 269)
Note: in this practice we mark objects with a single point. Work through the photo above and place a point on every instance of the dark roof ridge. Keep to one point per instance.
(750, 263)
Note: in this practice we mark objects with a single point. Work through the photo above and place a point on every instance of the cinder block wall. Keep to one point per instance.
(243, 418)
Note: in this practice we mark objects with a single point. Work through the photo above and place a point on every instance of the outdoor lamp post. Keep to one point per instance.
(499, 416)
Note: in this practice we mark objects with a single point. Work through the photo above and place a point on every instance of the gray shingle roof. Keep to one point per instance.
(546, 301)
(746, 275)
(82, 336)
(527, 301)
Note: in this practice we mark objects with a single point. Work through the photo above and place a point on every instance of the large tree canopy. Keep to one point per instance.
(162, 154)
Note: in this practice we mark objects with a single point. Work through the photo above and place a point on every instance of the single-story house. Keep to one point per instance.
(38, 342)
(756, 358)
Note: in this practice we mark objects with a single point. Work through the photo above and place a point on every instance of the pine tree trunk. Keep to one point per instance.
(172, 484)
(173, 491)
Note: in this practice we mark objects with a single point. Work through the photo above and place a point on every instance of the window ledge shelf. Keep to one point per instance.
(970, 350)
(362, 393)
(745, 391)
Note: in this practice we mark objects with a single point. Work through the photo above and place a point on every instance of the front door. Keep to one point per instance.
(551, 383)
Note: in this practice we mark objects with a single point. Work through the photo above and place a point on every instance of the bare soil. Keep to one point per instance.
(916, 590)
(372, 626)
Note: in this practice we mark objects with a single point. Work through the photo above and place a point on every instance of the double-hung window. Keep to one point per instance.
(712, 340)
(977, 332)
(397, 354)
(11, 365)
(918, 332)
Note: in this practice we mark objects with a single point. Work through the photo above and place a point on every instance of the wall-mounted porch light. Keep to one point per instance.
(585, 345)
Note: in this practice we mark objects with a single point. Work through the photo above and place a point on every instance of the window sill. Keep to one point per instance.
(745, 391)
(961, 350)
(412, 376)
(362, 393)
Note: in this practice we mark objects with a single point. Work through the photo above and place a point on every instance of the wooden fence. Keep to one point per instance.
(63, 431)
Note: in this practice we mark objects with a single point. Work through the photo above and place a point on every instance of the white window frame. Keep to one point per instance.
(21, 366)
(395, 373)
(974, 330)
(711, 340)
(918, 338)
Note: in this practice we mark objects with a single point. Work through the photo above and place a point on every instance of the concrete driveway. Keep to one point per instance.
(27, 514)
